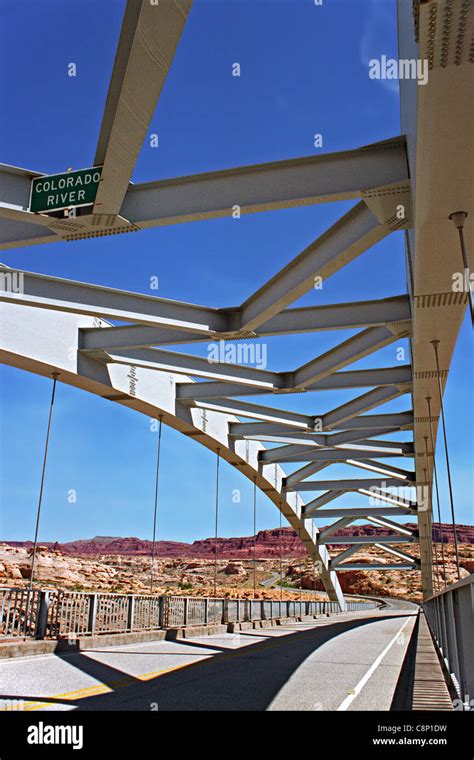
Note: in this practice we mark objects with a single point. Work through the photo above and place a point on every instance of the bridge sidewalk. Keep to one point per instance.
(429, 691)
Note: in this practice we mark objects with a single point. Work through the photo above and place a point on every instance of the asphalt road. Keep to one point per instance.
(399, 604)
(347, 662)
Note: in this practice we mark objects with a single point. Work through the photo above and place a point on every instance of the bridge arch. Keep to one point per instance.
(29, 341)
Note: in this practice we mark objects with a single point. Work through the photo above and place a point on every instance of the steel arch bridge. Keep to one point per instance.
(412, 182)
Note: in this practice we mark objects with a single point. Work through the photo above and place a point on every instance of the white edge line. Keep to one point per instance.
(349, 699)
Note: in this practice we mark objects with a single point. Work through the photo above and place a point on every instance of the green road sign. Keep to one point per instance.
(67, 190)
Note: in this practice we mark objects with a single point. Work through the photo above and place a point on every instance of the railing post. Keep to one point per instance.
(160, 612)
(225, 611)
(92, 613)
(130, 612)
(451, 636)
(262, 610)
(206, 611)
(42, 615)
(185, 612)
(444, 636)
(436, 619)
(440, 621)
(165, 611)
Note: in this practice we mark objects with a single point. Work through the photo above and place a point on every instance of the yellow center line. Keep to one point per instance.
(92, 691)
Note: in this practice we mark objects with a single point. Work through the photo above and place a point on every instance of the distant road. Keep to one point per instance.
(399, 604)
(394, 603)
(350, 661)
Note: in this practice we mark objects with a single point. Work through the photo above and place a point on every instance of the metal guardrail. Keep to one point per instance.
(181, 611)
(355, 606)
(19, 612)
(70, 614)
(450, 616)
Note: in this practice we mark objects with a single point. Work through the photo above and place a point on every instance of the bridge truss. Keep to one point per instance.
(116, 343)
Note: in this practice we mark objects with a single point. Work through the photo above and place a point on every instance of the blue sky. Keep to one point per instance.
(304, 70)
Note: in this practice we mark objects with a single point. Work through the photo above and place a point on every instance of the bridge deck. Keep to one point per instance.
(353, 663)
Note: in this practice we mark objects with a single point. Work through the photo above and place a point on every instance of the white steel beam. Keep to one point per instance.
(148, 40)
(339, 380)
(359, 436)
(377, 447)
(186, 364)
(376, 566)
(16, 221)
(138, 336)
(343, 316)
(399, 420)
(335, 561)
(347, 484)
(251, 429)
(344, 241)
(265, 187)
(301, 453)
(312, 506)
(351, 350)
(304, 472)
(363, 540)
(289, 436)
(331, 529)
(392, 550)
(256, 411)
(364, 378)
(261, 187)
(360, 513)
(288, 322)
(387, 497)
(385, 523)
(361, 404)
(382, 469)
(55, 293)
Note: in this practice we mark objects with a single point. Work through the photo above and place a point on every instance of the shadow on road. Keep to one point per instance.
(243, 679)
